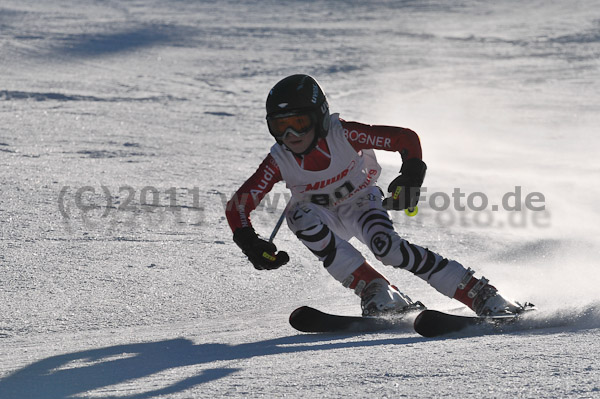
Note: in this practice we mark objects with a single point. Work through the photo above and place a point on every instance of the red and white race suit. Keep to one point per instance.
(334, 198)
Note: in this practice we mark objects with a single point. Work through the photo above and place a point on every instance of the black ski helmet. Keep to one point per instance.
(299, 95)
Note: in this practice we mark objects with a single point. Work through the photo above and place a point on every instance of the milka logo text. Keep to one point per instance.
(324, 183)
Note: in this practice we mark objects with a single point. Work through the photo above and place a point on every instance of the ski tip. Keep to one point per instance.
(298, 312)
(422, 326)
(301, 317)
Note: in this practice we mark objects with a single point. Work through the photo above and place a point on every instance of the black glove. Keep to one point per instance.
(406, 188)
(263, 254)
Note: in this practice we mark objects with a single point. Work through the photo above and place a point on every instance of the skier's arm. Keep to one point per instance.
(380, 137)
(261, 253)
(249, 195)
(405, 189)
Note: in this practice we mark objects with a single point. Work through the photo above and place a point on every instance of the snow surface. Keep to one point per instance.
(124, 126)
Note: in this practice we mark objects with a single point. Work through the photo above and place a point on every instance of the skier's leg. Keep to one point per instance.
(373, 227)
(447, 276)
(311, 224)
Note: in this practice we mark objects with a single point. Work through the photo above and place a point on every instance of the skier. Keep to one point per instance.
(331, 169)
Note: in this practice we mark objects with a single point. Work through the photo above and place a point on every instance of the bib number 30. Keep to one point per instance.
(325, 199)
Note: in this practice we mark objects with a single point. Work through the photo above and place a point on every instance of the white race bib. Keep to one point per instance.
(347, 175)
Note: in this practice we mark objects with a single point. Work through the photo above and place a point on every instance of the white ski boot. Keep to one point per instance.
(488, 302)
(484, 299)
(380, 298)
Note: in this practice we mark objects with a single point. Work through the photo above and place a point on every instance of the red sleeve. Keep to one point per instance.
(378, 137)
(247, 198)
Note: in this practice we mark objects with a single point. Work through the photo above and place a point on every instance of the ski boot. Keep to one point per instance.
(484, 299)
(378, 297)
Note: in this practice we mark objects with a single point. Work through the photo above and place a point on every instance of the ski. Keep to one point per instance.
(428, 323)
(433, 323)
(307, 319)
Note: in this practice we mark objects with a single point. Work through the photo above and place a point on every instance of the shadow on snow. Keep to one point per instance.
(65, 376)
(125, 40)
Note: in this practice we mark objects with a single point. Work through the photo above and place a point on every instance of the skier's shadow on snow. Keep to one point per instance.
(67, 375)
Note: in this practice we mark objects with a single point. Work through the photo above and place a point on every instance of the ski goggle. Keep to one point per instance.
(298, 125)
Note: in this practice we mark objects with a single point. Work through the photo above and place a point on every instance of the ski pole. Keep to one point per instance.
(272, 257)
(277, 226)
